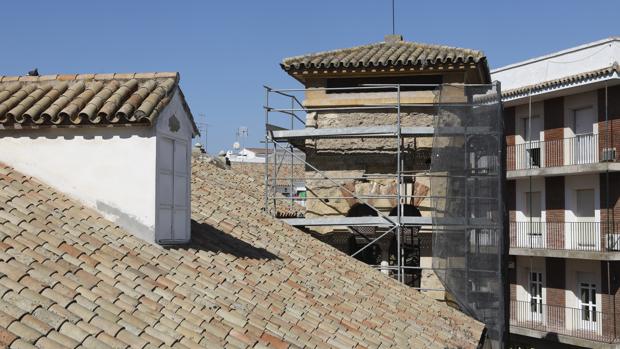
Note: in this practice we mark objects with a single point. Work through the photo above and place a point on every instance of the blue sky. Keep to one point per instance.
(226, 50)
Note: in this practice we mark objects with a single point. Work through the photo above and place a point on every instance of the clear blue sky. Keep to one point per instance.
(226, 50)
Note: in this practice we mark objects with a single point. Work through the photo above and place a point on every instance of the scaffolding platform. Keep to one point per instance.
(388, 131)
(358, 221)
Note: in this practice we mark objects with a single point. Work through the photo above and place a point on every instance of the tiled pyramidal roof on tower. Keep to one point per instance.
(391, 52)
(71, 279)
(84, 99)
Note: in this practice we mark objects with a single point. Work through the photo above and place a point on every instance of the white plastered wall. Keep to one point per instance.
(109, 169)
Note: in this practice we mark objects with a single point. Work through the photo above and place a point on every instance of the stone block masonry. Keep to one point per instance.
(365, 158)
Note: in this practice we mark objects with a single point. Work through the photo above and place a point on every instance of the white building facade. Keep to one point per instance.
(562, 121)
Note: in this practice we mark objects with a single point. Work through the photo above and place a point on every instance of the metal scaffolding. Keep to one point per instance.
(466, 137)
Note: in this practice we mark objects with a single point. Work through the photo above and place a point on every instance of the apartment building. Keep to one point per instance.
(562, 123)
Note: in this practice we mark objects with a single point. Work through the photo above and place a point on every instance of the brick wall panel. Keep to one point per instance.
(509, 131)
(554, 131)
(609, 297)
(610, 216)
(554, 147)
(511, 206)
(609, 137)
(556, 286)
(512, 280)
(555, 206)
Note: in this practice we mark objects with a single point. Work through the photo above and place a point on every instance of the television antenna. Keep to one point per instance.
(242, 134)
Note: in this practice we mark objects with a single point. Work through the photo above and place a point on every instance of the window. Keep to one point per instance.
(531, 132)
(583, 121)
(536, 298)
(587, 302)
(533, 225)
(532, 127)
(585, 144)
(585, 203)
(533, 207)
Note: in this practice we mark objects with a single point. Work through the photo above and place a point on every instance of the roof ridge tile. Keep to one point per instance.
(90, 99)
(380, 54)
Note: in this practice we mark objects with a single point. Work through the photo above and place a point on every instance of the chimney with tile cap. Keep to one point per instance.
(134, 169)
(393, 38)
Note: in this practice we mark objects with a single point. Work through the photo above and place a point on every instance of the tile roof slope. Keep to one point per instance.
(84, 99)
(255, 174)
(69, 278)
(385, 53)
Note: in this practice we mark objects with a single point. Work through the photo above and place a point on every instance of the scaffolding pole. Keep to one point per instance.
(284, 140)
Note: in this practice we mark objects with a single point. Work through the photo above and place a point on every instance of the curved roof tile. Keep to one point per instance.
(70, 278)
(84, 99)
(567, 80)
(382, 54)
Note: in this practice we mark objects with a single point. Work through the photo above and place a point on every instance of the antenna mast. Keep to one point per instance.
(393, 20)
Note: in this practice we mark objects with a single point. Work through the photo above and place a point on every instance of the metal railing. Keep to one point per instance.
(587, 322)
(577, 150)
(577, 236)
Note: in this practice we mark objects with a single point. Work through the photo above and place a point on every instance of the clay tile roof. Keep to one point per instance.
(563, 81)
(70, 278)
(84, 99)
(392, 52)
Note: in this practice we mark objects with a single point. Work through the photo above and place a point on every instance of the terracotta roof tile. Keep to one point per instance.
(524, 91)
(246, 280)
(6, 337)
(394, 52)
(84, 99)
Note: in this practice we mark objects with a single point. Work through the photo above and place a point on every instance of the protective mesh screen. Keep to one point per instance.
(468, 214)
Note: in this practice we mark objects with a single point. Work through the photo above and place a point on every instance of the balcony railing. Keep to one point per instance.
(580, 149)
(587, 322)
(577, 236)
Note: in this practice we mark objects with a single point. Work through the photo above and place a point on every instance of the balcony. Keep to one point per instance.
(587, 322)
(583, 152)
(588, 236)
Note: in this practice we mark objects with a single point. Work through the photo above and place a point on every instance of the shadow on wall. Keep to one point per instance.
(67, 132)
(208, 238)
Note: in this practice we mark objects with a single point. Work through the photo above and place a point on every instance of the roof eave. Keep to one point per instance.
(512, 97)
(301, 72)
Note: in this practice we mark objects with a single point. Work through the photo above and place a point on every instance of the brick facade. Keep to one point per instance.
(512, 281)
(554, 131)
(610, 298)
(610, 204)
(510, 132)
(555, 208)
(511, 206)
(556, 285)
(609, 123)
